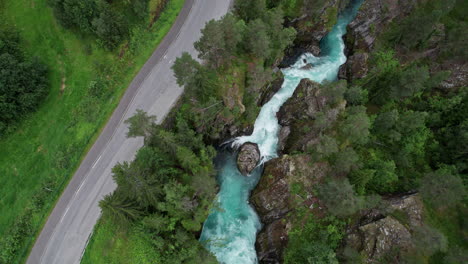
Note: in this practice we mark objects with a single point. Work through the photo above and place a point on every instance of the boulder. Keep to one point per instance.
(383, 236)
(248, 158)
(381, 232)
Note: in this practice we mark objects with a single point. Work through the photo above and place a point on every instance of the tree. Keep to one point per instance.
(257, 40)
(384, 175)
(23, 81)
(250, 10)
(140, 124)
(326, 147)
(345, 160)
(219, 40)
(442, 188)
(356, 95)
(355, 126)
(120, 208)
(429, 240)
(75, 13)
(110, 27)
(185, 68)
(339, 197)
(334, 91)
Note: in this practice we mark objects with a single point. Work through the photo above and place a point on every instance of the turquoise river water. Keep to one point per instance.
(230, 230)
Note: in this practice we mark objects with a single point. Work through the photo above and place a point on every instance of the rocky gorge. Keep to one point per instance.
(302, 118)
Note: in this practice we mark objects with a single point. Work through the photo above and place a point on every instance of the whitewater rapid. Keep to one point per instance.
(231, 228)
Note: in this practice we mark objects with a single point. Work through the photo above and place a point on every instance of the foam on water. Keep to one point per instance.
(231, 228)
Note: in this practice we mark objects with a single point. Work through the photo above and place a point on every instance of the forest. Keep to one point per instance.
(398, 134)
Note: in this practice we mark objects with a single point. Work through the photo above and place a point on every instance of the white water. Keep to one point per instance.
(230, 230)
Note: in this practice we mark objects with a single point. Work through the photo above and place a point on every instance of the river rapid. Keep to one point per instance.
(231, 228)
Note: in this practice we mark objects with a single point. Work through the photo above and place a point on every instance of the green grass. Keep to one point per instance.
(39, 158)
(110, 244)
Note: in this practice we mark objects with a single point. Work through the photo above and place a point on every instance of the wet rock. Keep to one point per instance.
(305, 103)
(248, 158)
(270, 241)
(312, 25)
(271, 90)
(283, 136)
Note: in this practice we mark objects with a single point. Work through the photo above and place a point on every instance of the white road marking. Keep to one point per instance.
(66, 211)
(94, 165)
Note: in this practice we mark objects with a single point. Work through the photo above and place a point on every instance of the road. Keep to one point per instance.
(68, 228)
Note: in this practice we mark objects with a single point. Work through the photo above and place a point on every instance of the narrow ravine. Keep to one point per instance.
(230, 230)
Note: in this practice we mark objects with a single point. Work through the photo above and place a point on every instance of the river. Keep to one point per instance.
(231, 228)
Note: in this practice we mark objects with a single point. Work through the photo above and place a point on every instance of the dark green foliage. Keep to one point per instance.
(429, 240)
(110, 27)
(219, 40)
(314, 242)
(326, 147)
(389, 81)
(167, 189)
(449, 122)
(456, 255)
(355, 126)
(257, 40)
(345, 160)
(339, 197)
(334, 91)
(413, 31)
(119, 208)
(356, 95)
(201, 83)
(96, 17)
(139, 125)
(250, 10)
(23, 81)
(442, 188)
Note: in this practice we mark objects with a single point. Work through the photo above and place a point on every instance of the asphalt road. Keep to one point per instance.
(68, 228)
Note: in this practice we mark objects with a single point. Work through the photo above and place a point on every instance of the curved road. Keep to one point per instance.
(68, 228)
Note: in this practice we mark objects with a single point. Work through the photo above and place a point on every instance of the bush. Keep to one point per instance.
(23, 81)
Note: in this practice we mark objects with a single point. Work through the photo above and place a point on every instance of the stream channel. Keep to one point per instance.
(231, 228)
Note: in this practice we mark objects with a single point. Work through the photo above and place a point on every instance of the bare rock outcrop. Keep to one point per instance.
(390, 231)
(272, 199)
(248, 158)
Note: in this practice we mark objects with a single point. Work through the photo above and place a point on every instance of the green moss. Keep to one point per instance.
(331, 17)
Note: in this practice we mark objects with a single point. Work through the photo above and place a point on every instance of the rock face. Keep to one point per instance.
(302, 110)
(387, 233)
(248, 158)
(273, 201)
(313, 23)
(373, 17)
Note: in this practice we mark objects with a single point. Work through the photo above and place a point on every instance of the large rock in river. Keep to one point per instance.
(248, 158)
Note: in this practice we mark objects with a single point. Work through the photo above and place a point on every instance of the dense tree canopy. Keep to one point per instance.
(98, 17)
(23, 80)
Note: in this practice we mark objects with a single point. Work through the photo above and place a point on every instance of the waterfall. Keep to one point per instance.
(231, 228)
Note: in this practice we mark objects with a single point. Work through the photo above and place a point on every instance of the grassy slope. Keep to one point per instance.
(112, 245)
(38, 159)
